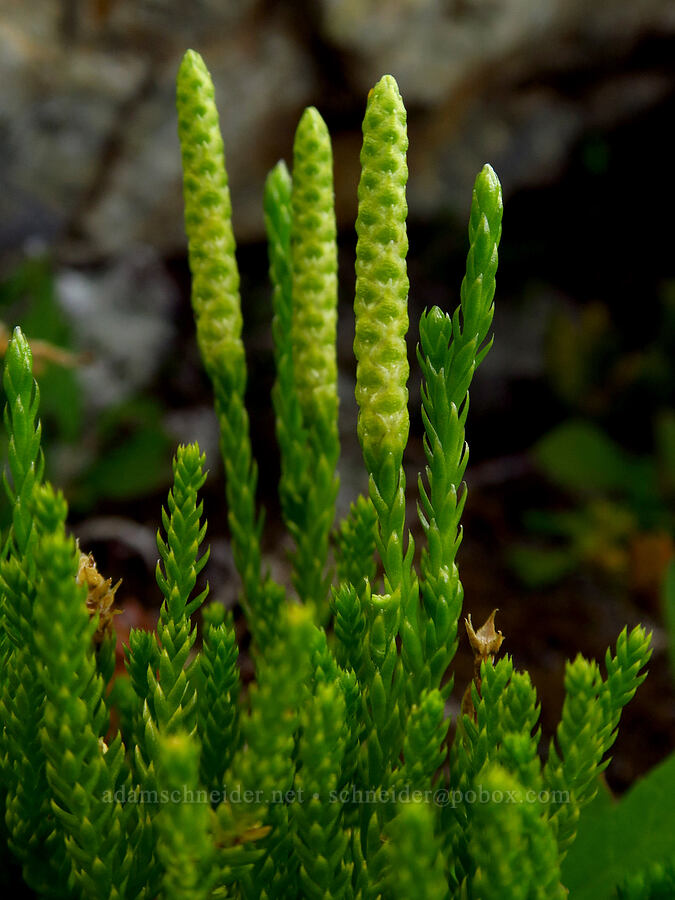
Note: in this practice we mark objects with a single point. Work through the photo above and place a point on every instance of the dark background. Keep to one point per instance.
(573, 106)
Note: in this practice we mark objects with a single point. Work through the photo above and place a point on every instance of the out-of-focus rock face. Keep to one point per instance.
(261, 77)
(58, 107)
(122, 316)
(434, 45)
(88, 125)
(87, 122)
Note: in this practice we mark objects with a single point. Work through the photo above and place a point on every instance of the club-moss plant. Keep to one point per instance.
(332, 778)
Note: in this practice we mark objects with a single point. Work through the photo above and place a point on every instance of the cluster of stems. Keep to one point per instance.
(330, 776)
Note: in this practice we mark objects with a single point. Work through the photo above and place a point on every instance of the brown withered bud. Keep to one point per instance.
(100, 595)
(485, 643)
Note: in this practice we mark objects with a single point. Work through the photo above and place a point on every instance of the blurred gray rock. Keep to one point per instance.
(58, 108)
(123, 317)
(142, 200)
(88, 127)
(480, 77)
(438, 49)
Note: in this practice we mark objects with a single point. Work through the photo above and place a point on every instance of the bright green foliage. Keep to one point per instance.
(519, 713)
(319, 839)
(415, 860)
(591, 712)
(350, 626)
(450, 351)
(217, 308)
(267, 766)
(513, 849)
(291, 435)
(328, 777)
(142, 662)
(382, 716)
(167, 699)
(478, 286)
(25, 459)
(142, 655)
(381, 687)
(105, 659)
(504, 735)
(142, 659)
(82, 771)
(356, 544)
(507, 714)
(184, 843)
(208, 223)
(23, 779)
(218, 711)
(423, 753)
(356, 540)
(381, 301)
(624, 674)
(300, 222)
(314, 258)
(173, 695)
(314, 332)
(122, 698)
(381, 313)
(475, 745)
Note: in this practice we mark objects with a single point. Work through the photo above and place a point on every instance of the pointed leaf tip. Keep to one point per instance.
(388, 83)
(488, 187)
(19, 348)
(192, 59)
(311, 120)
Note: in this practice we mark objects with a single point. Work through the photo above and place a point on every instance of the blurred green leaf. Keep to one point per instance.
(557, 522)
(540, 566)
(28, 298)
(580, 457)
(618, 840)
(139, 465)
(133, 457)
